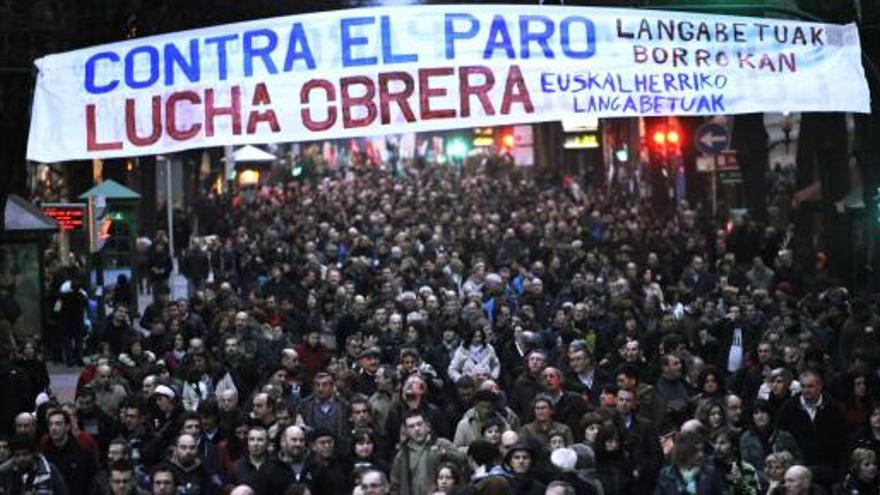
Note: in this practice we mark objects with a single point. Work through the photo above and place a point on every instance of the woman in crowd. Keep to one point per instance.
(762, 438)
(364, 453)
(689, 472)
(776, 465)
(474, 352)
(861, 479)
(448, 480)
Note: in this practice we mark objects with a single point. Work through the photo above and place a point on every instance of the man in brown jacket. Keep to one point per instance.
(413, 469)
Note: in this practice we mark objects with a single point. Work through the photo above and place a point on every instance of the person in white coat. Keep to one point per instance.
(474, 352)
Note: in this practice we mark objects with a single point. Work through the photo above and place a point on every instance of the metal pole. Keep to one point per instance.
(715, 188)
(169, 208)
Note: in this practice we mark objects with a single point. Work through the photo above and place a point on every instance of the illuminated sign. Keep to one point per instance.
(70, 216)
(484, 141)
(581, 142)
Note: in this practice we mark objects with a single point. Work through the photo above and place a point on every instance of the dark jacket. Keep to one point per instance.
(46, 480)
(525, 389)
(275, 475)
(243, 472)
(439, 424)
(526, 485)
(77, 465)
(615, 472)
(600, 378)
(853, 485)
(16, 390)
(754, 451)
(823, 440)
(671, 482)
(333, 478)
(193, 479)
(643, 449)
(37, 373)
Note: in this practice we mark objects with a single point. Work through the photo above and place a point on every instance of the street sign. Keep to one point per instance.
(724, 161)
(711, 138)
(70, 216)
(706, 163)
(727, 161)
(730, 176)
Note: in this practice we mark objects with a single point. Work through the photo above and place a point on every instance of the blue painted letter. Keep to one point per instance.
(388, 57)
(590, 37)
(91, 87)
(249, 52)
(153, 67)
(451, 34)
(349, 41)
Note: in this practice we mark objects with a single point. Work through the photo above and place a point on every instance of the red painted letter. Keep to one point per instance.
(515, 81)
(261, 97)
(401, 98)
(365, 101)
(426, 93)
(306, 114)
(233, 110)
(465, 90)
(92, 143)
(171, 115)
(131, 122)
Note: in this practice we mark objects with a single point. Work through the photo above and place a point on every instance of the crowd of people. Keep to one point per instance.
(445, 333)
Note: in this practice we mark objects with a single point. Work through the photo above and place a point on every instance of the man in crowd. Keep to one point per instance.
(76, 464)
(245, 469)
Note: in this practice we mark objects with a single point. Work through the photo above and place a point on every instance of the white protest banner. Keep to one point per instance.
(375, 71)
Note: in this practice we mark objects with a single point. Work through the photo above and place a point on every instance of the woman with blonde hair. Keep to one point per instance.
(775, 465)
(862, 476)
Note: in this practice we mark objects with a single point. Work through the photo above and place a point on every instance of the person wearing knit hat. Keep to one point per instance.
(519, 462)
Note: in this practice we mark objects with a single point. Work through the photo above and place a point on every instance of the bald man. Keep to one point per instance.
(799, 481)
(25, 424)
(108, 393)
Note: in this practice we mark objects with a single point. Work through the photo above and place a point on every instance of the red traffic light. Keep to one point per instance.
(659, 137)
(663, 138)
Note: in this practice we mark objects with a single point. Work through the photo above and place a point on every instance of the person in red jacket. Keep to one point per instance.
(312, 353)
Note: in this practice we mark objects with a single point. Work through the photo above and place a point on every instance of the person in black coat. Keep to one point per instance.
(77, 466)
(327, 473)
(612, 465)
(159, 264)
(244, 470)
(191, 474)
(71, 321)
(15, 386)
(28, 471)
(35, 369)
(195, 265)
(639, 437)
(818, 424)
(583, 376)
(519, 463)
(118, 331)
(275, 475)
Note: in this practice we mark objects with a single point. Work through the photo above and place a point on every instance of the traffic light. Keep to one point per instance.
(666, 140)
(457, 148)
(99, 223)
(659, 138)
(508, 140)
